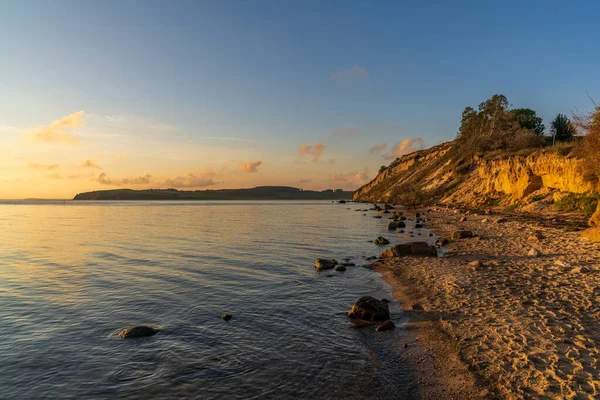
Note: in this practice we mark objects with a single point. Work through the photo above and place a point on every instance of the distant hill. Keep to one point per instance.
(257, 193)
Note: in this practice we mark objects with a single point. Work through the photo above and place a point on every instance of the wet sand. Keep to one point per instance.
(515, 326)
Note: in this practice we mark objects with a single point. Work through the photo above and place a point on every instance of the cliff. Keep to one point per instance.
(497, 179)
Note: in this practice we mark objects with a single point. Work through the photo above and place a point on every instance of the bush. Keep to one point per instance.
(525, 139)
(584, 203)
(589, 147)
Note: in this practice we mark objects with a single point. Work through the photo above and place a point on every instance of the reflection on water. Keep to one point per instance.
(73, 274)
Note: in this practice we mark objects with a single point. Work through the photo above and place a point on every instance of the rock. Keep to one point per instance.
(418, 226)
(417, 215)
(388, 207)
(441, 241)
(226, 317)
(377, 216)
(400, 224)
(386, 326)
(138, 331)
(391, 226)
(501, 220)
(340, 268)
(595, 218)
(483, 221)
(321, 263)
(592, 234)
(462, 235)
(534, 253)
(370, 309)
(385, 212)
(578, 270)
(408, 249)
(430, 234)
(381, 241)
(477, 264)
(536, 236)
(405, 345)
(342, 201)
(463, 219)
(347, 264)
(401, 230)
(417, 307)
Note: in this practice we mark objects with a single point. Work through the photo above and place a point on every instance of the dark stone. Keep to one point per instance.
(139, 331)
(417, 307)
(391, 226)
(342, 201)
(321, 263)
(370, 309)
(377, 216)
(386, 326)
(400, 224)
(347, 264)
(418, 226)
(340, 268)
(462, 235)
(410, 249)
(227, 317)
(441, 241)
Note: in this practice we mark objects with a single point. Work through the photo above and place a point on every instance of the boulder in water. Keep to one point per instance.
(392, 225)
(226, 317)
(340, 268)
(386, 326)
(410, 249)
(321, 263)
(370, 309)
(381, 241)
(137, 331)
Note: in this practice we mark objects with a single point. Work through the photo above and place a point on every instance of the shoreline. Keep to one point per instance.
(512, 326)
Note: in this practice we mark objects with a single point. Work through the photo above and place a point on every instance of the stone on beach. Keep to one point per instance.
(534, 253)
(408, 249)
(392, 225)
(462, 234)
(370, 309)
(322, 263)
(138, 331)
(340, 268)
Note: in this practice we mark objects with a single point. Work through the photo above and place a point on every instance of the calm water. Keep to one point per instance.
(73, 274)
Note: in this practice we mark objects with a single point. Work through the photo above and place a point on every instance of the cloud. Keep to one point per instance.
(55, 175)
(348, 75)
(103, 179)
(378, 148)
(344, 132)
(406, 146)
(249, 166)
(90, 164)
(47, 167)
(201, 178)
(313, 150)
(352, 179)
(58, 131)
(331, 161)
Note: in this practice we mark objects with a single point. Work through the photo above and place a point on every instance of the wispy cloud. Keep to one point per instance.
(249, 166)
(406, 146)
(90, 164)
(47, 167)
(103, 179)
(378, 148)
(202, 178)
(348, 75)
(344, 132)
(313, 150)
(59, 131)
(350, 180)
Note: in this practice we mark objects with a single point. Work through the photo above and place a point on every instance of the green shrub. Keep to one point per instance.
(512, 207)
(584, 203)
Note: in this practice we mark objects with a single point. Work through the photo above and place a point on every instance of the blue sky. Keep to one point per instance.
(282, 74)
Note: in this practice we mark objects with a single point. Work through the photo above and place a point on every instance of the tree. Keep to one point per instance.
(562, 129)
(528, 119)
(383, 168)
(589, 124)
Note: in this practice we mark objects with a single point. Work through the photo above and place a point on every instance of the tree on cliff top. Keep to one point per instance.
(589, 124)
(494, 126)
(562, 129)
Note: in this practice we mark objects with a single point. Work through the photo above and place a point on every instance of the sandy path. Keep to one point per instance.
(527, 327)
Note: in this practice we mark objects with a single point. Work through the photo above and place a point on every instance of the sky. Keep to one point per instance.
(225, 94)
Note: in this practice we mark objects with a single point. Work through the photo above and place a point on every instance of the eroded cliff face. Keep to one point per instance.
(511, 179)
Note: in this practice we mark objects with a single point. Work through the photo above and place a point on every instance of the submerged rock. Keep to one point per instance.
(138, 331)
(400, 224)
(386, 326)
(321, 263)
(340, 268)
(370, 309)
(226, 317)
(392, 225)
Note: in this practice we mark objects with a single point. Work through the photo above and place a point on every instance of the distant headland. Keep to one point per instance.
(257, 193)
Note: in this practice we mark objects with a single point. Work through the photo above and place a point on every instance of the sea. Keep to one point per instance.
(74, 273)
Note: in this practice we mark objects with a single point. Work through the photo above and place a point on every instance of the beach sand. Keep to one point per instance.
(518, 325)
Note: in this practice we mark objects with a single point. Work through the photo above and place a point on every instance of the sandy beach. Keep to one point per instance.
(501, 320)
